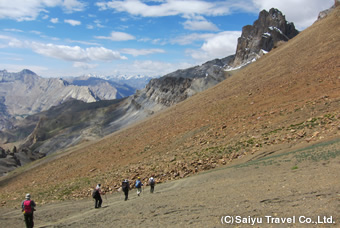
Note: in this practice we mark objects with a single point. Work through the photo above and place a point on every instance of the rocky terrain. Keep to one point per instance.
(273, 114)
(263, 143)
(298, 183)
(40, 135)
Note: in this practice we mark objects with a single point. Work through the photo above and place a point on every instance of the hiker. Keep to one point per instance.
(97, 196)
(28, 206)
(126, 188)
(138, 185)
(152, 184)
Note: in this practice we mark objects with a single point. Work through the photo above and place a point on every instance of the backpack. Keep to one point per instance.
(95, 193)
(152, 182)
(27, 206)
(138, 184)
(125, 185)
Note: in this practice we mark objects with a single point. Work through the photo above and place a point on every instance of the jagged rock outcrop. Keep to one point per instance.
(10, 160)
(269, 29)
(325, 13)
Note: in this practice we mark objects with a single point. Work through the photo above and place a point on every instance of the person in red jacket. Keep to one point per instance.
(28, 207)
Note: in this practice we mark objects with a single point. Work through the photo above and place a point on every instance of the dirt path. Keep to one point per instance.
(299, 185)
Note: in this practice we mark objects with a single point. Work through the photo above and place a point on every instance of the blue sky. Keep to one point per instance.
(57, 38)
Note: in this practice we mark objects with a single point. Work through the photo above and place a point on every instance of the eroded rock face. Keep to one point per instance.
(9, 160)
(181, 84)
(270, 28)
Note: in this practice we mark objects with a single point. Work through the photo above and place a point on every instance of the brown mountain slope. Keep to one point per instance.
(288, 98)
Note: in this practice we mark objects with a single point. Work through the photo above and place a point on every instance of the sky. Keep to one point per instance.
(58, 38)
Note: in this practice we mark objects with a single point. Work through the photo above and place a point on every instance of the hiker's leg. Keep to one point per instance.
(31, 218)
(26, 221)
(100, 201)
(96, 203)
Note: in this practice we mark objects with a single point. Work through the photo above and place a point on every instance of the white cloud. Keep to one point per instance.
(13, 30)
(154, 68)
(104, 54)
(218, 46)
(73, 5)
(75, 53)
(302, 13)
(83, 42)
(36, 32)
(99, 24)
(138, 52)
(84, 66)
(54, 20)
(18, 67)
(24, 10)
(199, 23)
(29, 10)
(7, 41)
(190, 38)
(72, 22)
(63, 52)
(175, 7)
(117, 36)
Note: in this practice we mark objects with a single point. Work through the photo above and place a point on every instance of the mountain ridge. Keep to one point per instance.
(157, 95)
(25, 93)
(288, 98)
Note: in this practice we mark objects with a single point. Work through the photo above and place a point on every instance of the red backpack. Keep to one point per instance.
(27, 206)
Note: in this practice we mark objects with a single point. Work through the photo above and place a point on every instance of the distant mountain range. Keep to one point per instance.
(134, 81)
(25, 93)
(74, 121)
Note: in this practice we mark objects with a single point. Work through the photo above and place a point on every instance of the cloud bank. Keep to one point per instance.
(30, 9)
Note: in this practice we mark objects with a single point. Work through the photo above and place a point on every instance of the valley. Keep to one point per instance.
(265, 141)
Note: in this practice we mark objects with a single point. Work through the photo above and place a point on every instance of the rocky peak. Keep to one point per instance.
(325, 13)
(336, 3)
(269, 29)
(27, 72)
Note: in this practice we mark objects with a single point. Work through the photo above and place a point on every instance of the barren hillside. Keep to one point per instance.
(292, 186)
(288, 98)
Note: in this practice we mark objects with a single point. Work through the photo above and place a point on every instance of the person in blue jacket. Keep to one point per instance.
(139, 185)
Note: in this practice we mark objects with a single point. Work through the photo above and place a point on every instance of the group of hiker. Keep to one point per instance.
(28, 205)
(138, 184)
(96, 194)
